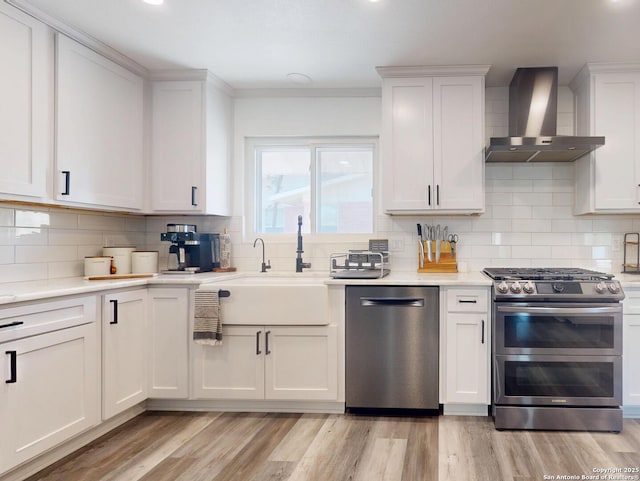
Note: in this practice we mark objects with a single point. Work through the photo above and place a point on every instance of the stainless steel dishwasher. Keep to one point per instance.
(391, 347)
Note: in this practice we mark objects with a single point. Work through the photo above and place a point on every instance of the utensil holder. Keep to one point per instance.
(448, 261)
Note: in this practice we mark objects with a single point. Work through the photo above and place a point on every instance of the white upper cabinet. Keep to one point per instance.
(191, 146)
(608, 104)
(26, 104)
(433, 140)
(99, 130)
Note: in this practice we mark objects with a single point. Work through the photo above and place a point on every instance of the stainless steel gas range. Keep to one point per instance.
(556, 349)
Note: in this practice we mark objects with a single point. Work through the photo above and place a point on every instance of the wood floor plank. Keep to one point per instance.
(421, 456)
(335, 452)
(298, 439)
(248, 461)
(384, 462)
(295, 447)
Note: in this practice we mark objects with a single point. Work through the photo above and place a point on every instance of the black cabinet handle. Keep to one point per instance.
(437, 194)
(13, 357)
(11, 324)
(67, 182)
(482, 338)
(468, 301)
(266, 342)
(115, 311)
(429, 194)
(258, 351)
(193, 196)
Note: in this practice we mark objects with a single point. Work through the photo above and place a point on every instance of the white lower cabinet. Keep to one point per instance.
(630, 351)
(168, 343)
(269, 362)
(125, 337)
(466, 346)
(50, 389)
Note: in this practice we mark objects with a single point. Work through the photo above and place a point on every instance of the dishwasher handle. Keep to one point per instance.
(392, 301)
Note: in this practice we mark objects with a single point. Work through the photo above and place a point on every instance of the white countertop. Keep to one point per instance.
(35, 290)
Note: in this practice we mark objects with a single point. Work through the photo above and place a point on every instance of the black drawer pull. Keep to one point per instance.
(266, 342)
(467, 301)
(115, 311)
(11, 324)
(258, 351)
(67, 182)
(13, 357)
(193, 196)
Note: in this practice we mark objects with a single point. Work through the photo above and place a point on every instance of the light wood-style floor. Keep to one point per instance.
(158, 446)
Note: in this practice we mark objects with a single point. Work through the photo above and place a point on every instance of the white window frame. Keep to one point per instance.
(251, 188)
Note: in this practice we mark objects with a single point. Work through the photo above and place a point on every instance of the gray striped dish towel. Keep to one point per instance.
(207, 327)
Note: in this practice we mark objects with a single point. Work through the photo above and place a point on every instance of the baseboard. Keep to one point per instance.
(245, 406)
(465, 410)
(53, 455)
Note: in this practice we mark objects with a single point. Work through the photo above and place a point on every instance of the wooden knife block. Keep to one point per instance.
(448, 262)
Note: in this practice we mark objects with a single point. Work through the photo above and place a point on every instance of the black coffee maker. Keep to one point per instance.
(193, 251)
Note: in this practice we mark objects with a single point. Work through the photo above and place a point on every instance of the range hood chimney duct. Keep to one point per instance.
(533, 113)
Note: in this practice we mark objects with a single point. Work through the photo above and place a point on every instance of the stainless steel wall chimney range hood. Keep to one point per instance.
(533, 107)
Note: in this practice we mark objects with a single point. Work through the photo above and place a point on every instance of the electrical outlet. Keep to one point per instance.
(396, 245)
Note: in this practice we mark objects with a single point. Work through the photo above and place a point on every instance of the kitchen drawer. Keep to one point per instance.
(466, 300)
(631, 303)
(34, 318)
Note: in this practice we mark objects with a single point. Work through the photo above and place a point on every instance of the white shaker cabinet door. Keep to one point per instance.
(301, 363)
(168, 343)
(178, 151)
(407, 144)
(125, 337)
(458, 142)
(232, 370)
(99, 130)
(617, 163)
(56, 393)
(467, 350)
(26, 104)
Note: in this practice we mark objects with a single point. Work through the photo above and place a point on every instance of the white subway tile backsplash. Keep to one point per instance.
(533, 199)
(71, 237)
(571, 252)
(562, 199)
(532, 170)
(498, 171)
(29, 254)
(23, 236)
(59, 270)
(509, 185)
(32, 218)
(498, 198)
(101, 222)
(550, 239)
(531, 252)
(7, 254)
(552, 212)
(612, 224)
(511, 238)
(531, 225)
(23, 272)
(563, 170)
(575, 224)
(6, 217)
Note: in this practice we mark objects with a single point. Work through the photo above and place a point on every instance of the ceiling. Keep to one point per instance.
(338, 43)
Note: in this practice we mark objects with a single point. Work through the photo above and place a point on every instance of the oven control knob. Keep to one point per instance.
(600, 287)
(516, 288)
(558, 287)
(613, 288)
(502, 288)
(528, 287)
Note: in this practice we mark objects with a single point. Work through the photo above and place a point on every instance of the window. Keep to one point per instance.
(329, 183)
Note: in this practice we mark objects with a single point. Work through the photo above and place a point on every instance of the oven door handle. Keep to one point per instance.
(560, 310)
